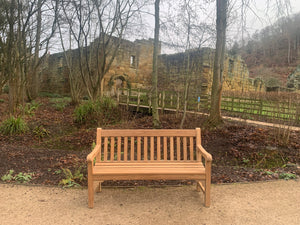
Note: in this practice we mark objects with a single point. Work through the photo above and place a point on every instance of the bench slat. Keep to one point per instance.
(178, 148)
(148, 133)
(191, 148)
(156, 164)
(132, 149)
(184, 149)
(165, 148)
(149, 176)
(125, 149)
(148, 169)
(139, 156)
(105, 148)
(171, 148)
(119, 149)
(112, 148)
(145, 148)
(158, 149)
(152, 148)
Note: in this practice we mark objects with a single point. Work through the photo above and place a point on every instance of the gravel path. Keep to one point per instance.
(275, 202)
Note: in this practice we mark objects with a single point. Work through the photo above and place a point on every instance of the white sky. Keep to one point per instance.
(268, 15)
(256, 19)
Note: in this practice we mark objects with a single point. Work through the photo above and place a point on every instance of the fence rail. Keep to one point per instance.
(287, 109)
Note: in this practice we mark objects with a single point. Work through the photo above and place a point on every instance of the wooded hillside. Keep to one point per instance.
(273, 51)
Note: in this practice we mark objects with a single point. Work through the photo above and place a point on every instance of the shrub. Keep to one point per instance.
(29, 108)
(72, 180)
(84, 111)
(13, 126)
(287, 176)
(102, 112)
(60, 103)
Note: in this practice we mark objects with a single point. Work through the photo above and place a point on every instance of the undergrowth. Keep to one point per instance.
(100, 112)
(13, 126)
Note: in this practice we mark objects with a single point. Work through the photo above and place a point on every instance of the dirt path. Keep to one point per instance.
(255, 203)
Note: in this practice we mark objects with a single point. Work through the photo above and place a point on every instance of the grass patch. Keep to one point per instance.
(13, 126)
(60, 103)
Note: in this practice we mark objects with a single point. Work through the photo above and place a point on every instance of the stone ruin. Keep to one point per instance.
(132, 67)
(293, 80)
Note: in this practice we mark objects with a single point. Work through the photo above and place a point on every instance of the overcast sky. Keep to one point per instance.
(258, 17)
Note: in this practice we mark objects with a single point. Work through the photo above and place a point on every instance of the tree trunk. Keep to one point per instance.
(155, 115)
(215, 117)
(33, 89)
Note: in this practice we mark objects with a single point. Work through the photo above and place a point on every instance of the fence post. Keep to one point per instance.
(149, 102)
(177, 108)
(260, 107)
(138, 100)
(297, 115)
(127, 100)
(163, 101)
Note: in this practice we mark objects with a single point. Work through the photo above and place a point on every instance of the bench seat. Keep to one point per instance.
(149, 171)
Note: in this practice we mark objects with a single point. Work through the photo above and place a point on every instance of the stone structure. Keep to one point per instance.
(173, 72)
(133, 67)
(293, 81)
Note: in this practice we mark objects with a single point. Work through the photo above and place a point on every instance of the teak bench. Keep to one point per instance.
(149, 155)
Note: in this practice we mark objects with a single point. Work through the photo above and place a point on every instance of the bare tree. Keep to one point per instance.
(216, 92)
(75, 81)
(97, 28)
(22, 44)
(154, 92)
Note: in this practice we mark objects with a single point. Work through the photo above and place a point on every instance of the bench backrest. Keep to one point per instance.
(148, 145)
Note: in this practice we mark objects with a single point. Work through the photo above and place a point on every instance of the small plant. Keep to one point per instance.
(20, 177)
(8, 177)
(1, 100)
(40, 132)
(246, 161)
(71, 180)
(23, 177)
(268, 172)
(13, 126)
(287, 176)
(29, 108)
(60, 103)
(57, 172)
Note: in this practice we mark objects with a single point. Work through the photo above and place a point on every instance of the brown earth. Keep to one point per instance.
(240, 152)
(255, 203)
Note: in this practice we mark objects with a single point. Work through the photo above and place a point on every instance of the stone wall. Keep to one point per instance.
(173, 72)
(132, 67)
(293, 82)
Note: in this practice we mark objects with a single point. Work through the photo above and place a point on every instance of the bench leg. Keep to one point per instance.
(90, 191)
(99, 189)
(207, 192)
(198, 188)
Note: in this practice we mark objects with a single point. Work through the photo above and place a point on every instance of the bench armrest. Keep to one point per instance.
(204, 153)
(93, 154)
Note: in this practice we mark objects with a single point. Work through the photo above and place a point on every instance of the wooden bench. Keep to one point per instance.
(149, 155)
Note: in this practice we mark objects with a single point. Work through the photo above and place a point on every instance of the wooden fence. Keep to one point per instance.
(287, 109)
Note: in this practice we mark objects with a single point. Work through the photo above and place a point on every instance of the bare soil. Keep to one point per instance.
(240, 152)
